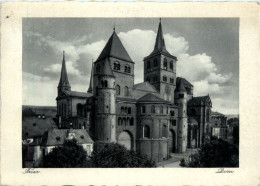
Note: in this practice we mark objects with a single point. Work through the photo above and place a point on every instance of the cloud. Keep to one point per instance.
(199, 68)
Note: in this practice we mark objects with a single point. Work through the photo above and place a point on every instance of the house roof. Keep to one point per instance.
(114, 48)
(29, 110)
(64, 81)
(217, 113)
(151, 98)
(54, 137)
(145, 86)
(33, 126)
(76, 94)
(199, 100)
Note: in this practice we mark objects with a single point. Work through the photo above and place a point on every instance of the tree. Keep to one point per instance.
(115, 155)
(69, 155)
(215, 153)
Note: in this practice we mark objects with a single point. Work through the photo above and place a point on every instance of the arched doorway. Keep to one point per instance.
(125, 139)
(172, 141)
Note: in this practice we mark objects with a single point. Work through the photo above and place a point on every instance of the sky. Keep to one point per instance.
(207, 50)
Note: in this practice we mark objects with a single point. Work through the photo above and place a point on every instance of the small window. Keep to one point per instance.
(117, 89)
(153, 109)
(164, 78)
(127, 69)
(171, 80)
(116, 66)
(132, 121)
(105, 84)
(129, 110)
(148, 65)
(143, 109)
(171, 65)
(172, 113)
(165, 64)
(174, 122)
(146, 131)
(155, 62)
(181, 95)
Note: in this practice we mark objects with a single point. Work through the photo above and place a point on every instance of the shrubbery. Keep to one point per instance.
(214, 153)
(114, 155)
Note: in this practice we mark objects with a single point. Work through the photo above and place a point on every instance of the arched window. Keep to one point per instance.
(119, 122)
(164, 131)
(105, 84)
(152, 109)
(161, 109)
(164, 78)
(132, 121)
(172, 113)
(98, 68)
(102, 83)
(165, 64)
(116, 66)
(122, 110)
(171, 65)
(148, 65)
(129, 110)
(146, 131)
(117, 89)
(171, 80)
(79, 109)
(155, 62)
(143, 109)
(127, 69)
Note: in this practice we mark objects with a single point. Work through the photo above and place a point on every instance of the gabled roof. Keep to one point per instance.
(114, 48)
(199, 100)
(56, 137)
(64, 81)
(217, 113)
(33, 126)
(151, 98)
(76, 94)
(145, 86)
(180, 86)
(106, 68)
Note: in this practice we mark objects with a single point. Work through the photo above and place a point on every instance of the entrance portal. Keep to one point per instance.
(172, 141)
(125, 139)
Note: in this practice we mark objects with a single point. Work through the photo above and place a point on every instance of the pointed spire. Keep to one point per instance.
(180, 86)
(90, 89)
(159, 43)
(64, 82)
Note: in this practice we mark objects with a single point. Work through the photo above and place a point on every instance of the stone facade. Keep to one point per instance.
(157, 117)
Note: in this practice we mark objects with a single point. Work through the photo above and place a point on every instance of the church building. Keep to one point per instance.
(157, 117)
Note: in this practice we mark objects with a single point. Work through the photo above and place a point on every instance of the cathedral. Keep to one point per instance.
(157, 117)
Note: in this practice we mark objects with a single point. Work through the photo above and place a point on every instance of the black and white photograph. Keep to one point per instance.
(130, 92)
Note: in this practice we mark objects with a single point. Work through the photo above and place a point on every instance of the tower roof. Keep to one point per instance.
(106, 68)
(180, 86)
(64, 81)
(114, 48)
(90, 89)
(159, 46)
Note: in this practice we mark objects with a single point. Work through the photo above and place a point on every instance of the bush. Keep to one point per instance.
(111, 155)
(69, 155)
(215, 153)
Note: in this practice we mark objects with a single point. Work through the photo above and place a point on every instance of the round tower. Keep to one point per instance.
(182, 127)
(105, 104)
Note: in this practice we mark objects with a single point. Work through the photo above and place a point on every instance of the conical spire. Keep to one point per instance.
(180, 86)
(106, 68)
(64, 82)
(159, 43)
(90, 89)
